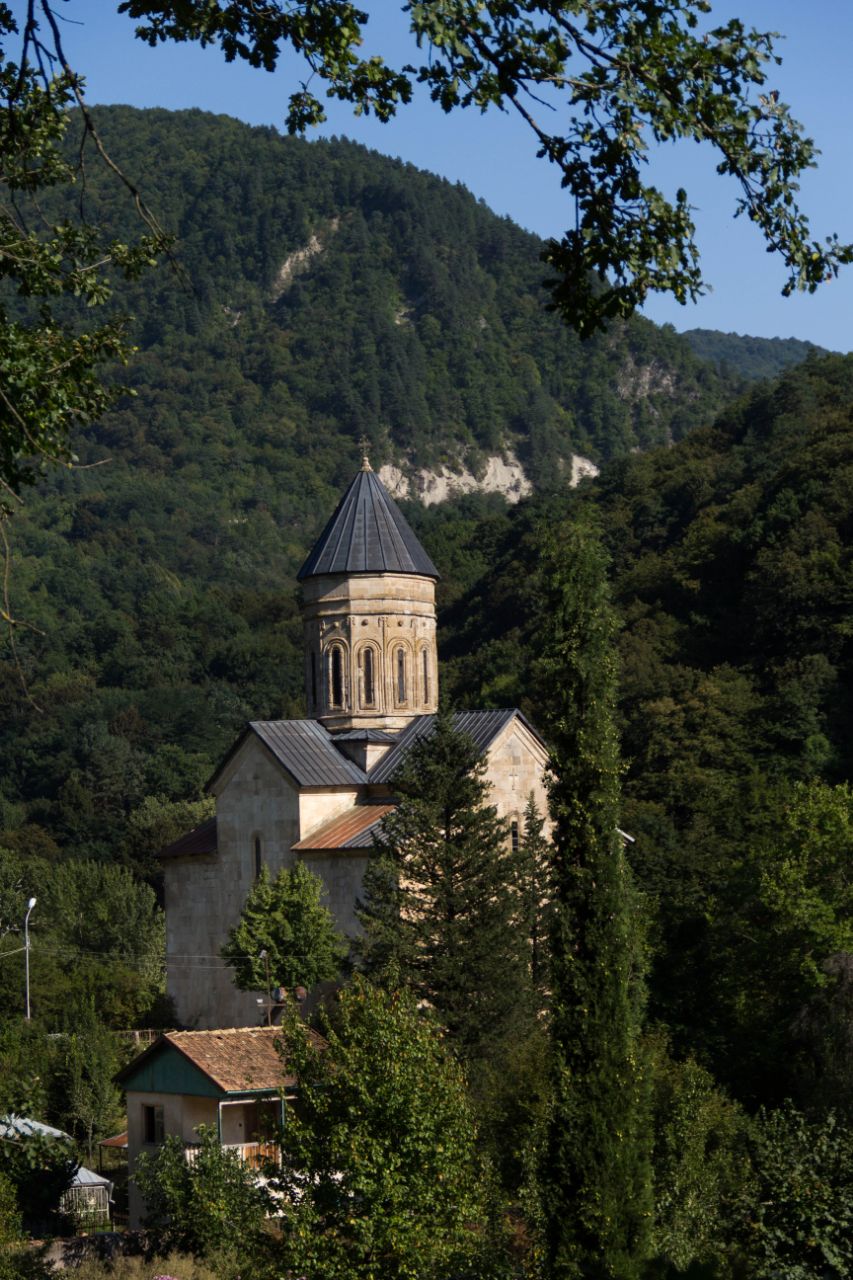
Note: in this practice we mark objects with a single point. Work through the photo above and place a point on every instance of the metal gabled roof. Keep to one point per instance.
(481, 726)
(367, 534)
(307, 751)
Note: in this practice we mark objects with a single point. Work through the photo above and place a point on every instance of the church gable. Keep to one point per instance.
(515, 766)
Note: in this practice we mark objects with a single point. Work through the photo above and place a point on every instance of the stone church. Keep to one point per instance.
(317, 789)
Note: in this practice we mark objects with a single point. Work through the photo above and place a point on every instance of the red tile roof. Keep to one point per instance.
(352, 829)
(236, 1059)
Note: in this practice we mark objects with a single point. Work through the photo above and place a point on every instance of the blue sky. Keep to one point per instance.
(494, 156)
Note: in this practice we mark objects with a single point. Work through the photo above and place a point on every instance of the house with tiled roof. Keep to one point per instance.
(233, 1080)
(317, 789)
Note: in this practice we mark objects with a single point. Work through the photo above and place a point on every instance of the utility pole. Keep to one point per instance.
(30, 905)
(266, 961)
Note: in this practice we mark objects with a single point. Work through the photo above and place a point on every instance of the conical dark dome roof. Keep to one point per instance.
(367, 534)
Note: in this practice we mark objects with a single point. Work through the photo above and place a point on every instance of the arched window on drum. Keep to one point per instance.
(335, 675)
(367, 675)
(400, 674)
(425, 674)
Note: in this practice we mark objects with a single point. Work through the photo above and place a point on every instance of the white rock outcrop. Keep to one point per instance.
(300, 260)
(502, 474)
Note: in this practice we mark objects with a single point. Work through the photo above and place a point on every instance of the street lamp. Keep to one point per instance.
(30, 905)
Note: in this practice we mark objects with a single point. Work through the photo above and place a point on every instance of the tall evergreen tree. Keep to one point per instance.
(535, 874)
(595, 1173)
(440, 910)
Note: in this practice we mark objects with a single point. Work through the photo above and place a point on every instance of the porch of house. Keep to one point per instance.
(257, 1155)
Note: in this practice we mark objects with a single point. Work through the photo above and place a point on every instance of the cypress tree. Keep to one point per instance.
(440, 910)
(535, 871)
(595, 1168)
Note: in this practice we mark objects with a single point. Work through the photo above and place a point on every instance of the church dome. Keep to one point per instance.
(367, 534)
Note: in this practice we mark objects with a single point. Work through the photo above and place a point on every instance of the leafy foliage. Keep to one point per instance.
(96, 933)
(800, 1222)
(51, 369)
(752, 358)
(286, 919)
(700, 1161)
(212, 1202)
(39, 1168)
(730, 567)
(380, 1173)
(535, 875)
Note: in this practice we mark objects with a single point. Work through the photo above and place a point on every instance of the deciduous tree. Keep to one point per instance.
(286, 919)
(380, 1175)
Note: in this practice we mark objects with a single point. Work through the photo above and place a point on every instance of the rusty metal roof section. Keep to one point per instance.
(118, 1141)
(367, 534)
(236, 1059)
(350, 830)
(307, 751)
(482, 726)
(200, 840)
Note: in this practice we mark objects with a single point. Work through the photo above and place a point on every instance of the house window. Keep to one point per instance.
(336, 676)
(513, 831)
(401, 675)
(258, 860)
(425, 658)
(368, 679)
(152, 1125)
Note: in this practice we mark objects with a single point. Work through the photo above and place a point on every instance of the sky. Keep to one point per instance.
(494, 155)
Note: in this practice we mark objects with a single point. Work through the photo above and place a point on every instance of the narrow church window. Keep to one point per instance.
(258, 863)
(336, 677)
(367, 686)
(426, 676)
(513, 830)
(401, 675)
(313, 681)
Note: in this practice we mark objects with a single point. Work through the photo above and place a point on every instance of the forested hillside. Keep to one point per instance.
(731, 557)
(751, 358)
(323, 291)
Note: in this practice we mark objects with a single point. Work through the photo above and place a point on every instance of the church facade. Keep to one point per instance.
(317, 789)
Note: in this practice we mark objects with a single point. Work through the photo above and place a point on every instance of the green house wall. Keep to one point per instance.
(168, 1071)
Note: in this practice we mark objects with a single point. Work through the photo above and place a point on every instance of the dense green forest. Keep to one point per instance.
(751, 358)
(162, 580)
(160, 583)
(731, 568)
(159, 612)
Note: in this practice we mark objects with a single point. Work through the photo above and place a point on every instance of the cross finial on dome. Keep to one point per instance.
(364, 445)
